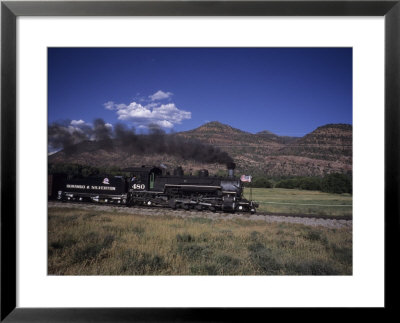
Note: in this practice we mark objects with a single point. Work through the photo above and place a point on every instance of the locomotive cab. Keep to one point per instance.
(138, 181)
(141, 185)
(142, 178)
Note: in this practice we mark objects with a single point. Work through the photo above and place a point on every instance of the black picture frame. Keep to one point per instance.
(10, 10)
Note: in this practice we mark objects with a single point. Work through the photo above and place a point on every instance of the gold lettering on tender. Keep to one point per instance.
(75, 186)
(107, 188)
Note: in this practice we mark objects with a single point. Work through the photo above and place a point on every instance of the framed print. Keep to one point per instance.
(332, 58)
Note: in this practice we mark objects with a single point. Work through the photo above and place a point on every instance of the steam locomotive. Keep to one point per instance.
(153, 186)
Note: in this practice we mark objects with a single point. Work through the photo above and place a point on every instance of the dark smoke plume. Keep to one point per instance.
(102, 134)
(61, 136)
(155, 142)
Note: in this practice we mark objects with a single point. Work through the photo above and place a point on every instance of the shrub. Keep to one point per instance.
(64, 242)
(193, 251)
(64, 220)
(227, 264)
(93, 247)
(311, 267)
(141, 263)
(310, 183)
(255, 235)
(337, 183)
(204, 269)
(304, 183)
(184, 237)
(343, 254)
(263, 258)
(87, 253)
(260, 182)
(331, 183)
(138, 230)
(314, 235)
(286, 243)
(286, 183)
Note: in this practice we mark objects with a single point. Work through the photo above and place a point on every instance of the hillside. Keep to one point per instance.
(325, 150)
(280, 139)
(330, 142)
(227, 137)
(244, 147)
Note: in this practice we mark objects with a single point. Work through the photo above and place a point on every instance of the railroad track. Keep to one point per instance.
(194, 212)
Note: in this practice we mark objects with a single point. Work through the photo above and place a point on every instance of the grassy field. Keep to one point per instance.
(86, 242)
(291, 201)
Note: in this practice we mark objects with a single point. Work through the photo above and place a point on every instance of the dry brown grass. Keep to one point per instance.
(85, 242)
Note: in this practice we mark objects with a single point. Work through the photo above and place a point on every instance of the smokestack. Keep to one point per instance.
(231, 169)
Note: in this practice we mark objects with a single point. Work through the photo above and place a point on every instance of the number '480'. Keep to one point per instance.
(138, 186)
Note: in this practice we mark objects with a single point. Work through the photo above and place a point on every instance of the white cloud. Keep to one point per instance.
(152, 105)
(171, 113)
(164, 124)
(160, 95)
(142, 113)
(134, 111)
(110, 105)
(164, 115)
(77, 122)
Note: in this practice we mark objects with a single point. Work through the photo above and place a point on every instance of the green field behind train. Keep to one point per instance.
(292, 201)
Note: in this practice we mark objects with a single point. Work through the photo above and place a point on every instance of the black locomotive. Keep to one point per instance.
(153, 186)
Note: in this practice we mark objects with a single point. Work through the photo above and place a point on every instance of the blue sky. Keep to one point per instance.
(289, 91)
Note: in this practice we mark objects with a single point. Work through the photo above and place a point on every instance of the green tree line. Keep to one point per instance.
(331, 183)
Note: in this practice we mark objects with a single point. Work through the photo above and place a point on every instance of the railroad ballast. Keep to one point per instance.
(154, 186)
